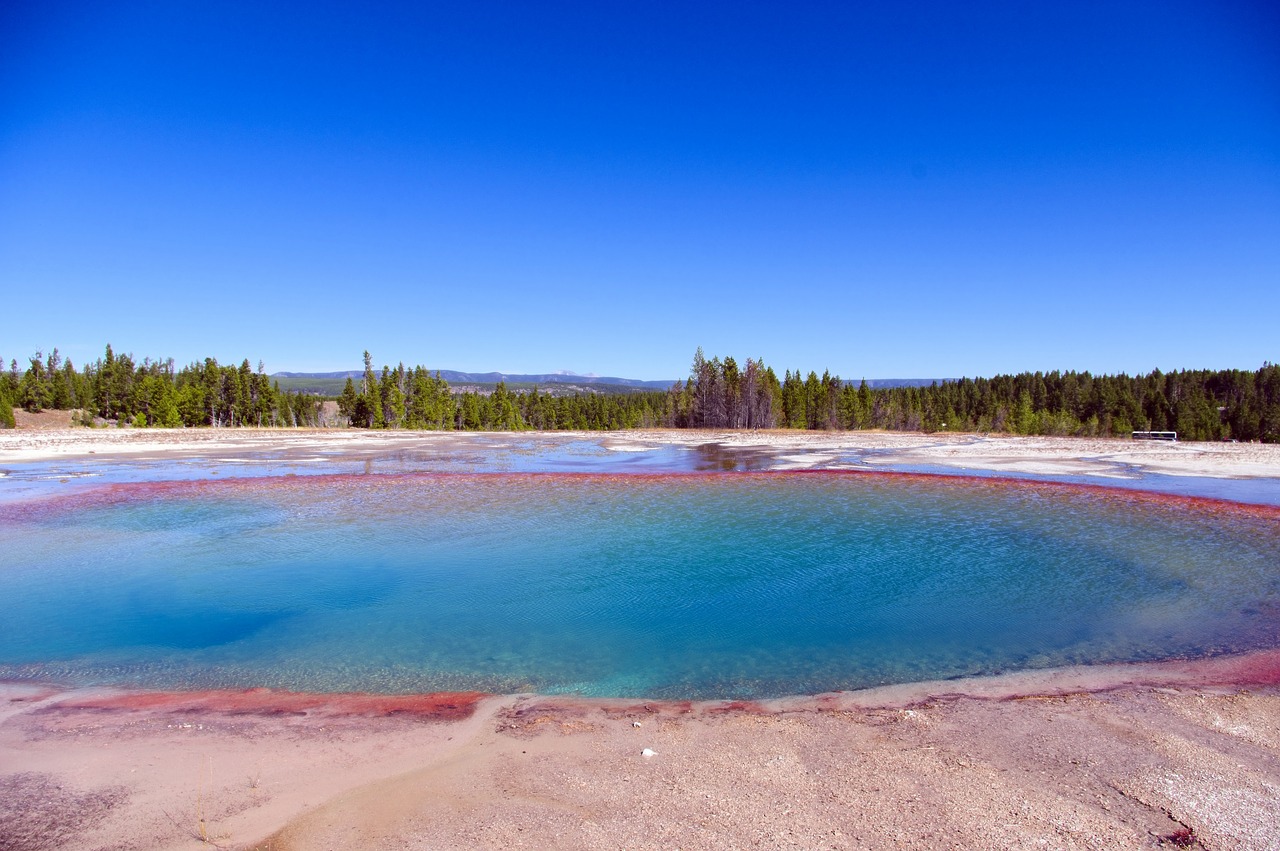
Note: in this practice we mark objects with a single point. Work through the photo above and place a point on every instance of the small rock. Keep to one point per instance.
(648, 752)
(635, 723)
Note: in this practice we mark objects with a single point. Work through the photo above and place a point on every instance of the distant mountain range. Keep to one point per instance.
(484, 378)
(331, 383)
(882, 383)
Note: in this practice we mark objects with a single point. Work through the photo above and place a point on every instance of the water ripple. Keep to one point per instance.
(747, 585)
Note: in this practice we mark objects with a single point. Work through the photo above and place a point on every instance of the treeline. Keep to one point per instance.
(153, 393)
(416, 399)
(1198, 404)
(719, 393)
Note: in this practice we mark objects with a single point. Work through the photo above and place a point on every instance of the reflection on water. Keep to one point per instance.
(716, 457)
(468, 452)
(647, 585)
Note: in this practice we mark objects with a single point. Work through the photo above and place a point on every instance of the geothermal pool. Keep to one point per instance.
(702, 585)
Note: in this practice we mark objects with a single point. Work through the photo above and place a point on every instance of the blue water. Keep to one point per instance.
(657, 586)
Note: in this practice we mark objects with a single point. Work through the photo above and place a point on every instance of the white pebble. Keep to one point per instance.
(648, 752)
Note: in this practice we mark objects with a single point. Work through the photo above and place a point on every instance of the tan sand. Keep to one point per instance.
(1141, 756)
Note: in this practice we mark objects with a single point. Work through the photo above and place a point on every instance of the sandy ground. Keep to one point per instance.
(1141, 756)
(1108, 458)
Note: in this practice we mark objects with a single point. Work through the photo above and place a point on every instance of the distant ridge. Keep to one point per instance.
(324, 381)
(885, 383)
(299, 380)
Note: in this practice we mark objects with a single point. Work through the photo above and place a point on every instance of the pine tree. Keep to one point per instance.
(391, 403)
(348, 402)
(6, 408)
(34, 390)
(371, 397)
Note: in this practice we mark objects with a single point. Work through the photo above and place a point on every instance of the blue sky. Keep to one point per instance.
(881, 190)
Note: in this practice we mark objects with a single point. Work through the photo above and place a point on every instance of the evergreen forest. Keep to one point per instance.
(720, 393)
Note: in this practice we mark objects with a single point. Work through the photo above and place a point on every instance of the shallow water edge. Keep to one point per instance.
(32, 464)
(1228, 674)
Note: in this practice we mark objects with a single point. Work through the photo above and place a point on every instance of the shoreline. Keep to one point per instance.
(783, 449)
(40, 463)
(1116, 756)
(1232, 671)
(98, 493)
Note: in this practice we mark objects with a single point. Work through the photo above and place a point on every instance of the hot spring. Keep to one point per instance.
(703, 585)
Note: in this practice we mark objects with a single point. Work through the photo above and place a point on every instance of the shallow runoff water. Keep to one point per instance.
(639, 583)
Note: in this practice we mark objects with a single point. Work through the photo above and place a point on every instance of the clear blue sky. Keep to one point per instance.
(878, 189)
